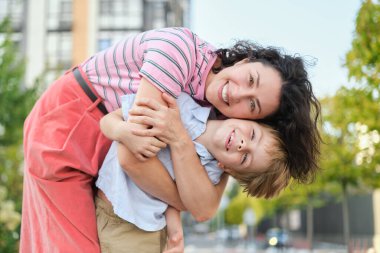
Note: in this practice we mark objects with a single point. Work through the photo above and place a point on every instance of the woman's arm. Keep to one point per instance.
(191, 186)
(144, 174)
(151, 176)
(197, 192)
(201, 198)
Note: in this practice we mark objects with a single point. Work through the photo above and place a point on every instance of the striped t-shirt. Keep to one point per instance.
(175, 60)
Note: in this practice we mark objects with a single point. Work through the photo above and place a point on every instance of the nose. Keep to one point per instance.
(240, 93)
(242, 145)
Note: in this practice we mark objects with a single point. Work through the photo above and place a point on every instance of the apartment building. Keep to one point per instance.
(54, 35)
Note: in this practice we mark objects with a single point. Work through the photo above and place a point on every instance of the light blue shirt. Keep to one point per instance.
(128, 200)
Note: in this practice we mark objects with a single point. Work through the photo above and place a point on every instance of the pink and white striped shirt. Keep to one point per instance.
(175, 60)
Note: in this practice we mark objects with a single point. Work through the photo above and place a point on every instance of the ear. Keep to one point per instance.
(224, 168)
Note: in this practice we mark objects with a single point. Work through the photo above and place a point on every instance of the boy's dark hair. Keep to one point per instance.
(298, 128)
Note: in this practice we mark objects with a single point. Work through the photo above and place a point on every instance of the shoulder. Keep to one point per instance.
(171, 31)
(181, 37)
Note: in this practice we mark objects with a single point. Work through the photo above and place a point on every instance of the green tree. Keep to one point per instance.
(15, 103)
(351, 155)
(346, 161)
(363, 59)
(239, 203)
(363, 64)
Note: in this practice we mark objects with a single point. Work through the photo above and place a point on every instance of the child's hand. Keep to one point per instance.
(144, 147)
(141, 147)
(175, 243)
(165, 122)
(115, 128)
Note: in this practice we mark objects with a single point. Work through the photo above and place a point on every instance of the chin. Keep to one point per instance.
(219, 115)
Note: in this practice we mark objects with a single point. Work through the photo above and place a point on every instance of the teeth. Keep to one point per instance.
(224, 93)
(232, 136)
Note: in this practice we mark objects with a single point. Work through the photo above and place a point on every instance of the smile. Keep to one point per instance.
(230, 140)
(223, 93)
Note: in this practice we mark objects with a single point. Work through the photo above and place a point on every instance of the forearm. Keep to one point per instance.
(151, 176)
(197, 192)
(144, 174)
(173, 220)
(175, 241)
(113, 125)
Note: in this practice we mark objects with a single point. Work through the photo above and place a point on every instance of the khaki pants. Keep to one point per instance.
(117, 235)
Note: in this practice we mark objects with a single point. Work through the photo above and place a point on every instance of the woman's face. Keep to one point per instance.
(246, 90)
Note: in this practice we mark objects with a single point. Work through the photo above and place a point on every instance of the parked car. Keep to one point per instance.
(277, 237)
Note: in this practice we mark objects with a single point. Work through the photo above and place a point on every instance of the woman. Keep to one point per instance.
(64, 147)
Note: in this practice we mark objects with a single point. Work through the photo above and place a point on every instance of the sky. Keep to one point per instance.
(319, 30)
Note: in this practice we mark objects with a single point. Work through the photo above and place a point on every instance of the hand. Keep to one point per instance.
(141, 147)
(175, 243)
(165, 122)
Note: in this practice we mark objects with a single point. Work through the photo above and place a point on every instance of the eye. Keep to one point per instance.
(252, 105)
(244, 158)
(253, 135)
(251, 80)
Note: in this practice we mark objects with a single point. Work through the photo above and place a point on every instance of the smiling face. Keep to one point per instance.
(246, 90)
(241, 146)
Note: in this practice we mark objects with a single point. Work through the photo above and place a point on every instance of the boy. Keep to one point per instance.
(250, 152)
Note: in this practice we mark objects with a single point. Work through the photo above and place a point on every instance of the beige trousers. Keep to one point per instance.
(119, 236)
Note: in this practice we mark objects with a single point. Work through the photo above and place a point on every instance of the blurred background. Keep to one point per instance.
(339, 212)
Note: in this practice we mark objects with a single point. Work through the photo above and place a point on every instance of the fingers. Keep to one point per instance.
(142, 120)
(141, 157)
(172, 103)
(146, 154)
(159, 143)
(175, 249)
(144, 132)
(150, 103)
(149, 148)
(140, 110)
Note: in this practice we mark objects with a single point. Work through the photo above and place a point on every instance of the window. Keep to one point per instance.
(59, 15)
(59, 50)
(14, 10)
(119, 15)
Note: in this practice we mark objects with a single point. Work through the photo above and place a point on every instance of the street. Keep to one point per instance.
(208, 243)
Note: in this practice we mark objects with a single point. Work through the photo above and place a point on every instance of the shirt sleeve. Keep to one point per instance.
(168, 59)
(213, 171)
(126, 104)
(209, 163)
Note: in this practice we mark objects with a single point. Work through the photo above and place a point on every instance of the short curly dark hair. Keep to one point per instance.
(294, 119)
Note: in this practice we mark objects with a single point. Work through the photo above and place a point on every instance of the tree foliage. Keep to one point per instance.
(363, 60)
(363, 64)
(15, 103)
(239, 203)
(350, 158)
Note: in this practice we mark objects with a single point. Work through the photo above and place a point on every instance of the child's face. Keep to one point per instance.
(246, 90)
(240, 146)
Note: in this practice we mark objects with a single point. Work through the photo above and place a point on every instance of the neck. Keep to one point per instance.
(206, 138)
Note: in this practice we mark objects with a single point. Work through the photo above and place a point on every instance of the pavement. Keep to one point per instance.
(209, 243)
